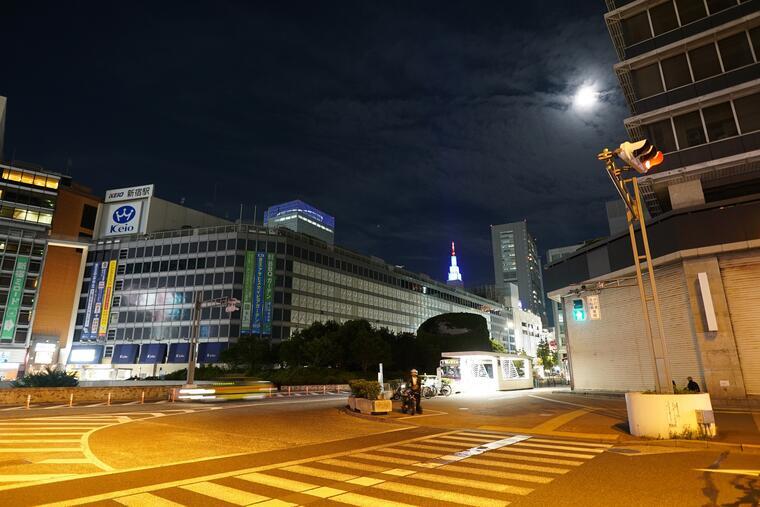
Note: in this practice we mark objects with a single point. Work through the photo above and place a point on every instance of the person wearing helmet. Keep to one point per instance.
(415, 384)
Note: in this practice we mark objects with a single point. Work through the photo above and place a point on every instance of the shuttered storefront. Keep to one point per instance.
(614, 354)
(741, 282)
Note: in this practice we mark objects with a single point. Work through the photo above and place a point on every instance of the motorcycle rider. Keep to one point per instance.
(415, 385)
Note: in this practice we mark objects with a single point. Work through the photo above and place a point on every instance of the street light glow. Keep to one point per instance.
(585, 97)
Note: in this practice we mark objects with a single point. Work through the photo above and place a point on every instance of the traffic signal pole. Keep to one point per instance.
(635, 213)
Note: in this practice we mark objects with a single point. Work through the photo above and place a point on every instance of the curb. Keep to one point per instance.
(694, 444)
(377, 418)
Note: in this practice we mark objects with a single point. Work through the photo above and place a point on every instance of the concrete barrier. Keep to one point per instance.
(668, 415)
(63, 395)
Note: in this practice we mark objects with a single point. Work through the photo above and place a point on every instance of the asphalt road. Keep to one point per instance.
(526, 448)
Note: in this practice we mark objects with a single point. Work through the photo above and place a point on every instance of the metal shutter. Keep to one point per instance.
(741, 282)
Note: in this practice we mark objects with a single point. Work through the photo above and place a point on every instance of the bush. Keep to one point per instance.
(201, 373)
(49, 377)
(309, 376)
(369, 389)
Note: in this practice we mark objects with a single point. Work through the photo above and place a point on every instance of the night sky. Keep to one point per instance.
(413, 123)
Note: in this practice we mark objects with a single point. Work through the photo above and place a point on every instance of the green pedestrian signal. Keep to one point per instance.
(579, 310)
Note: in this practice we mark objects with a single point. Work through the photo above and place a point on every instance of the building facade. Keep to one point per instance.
(516, 260)
(556, 313)
(301, 217)
(690, 72)
(136, 304)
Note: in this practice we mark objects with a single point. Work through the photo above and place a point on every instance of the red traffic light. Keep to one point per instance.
(640, 155)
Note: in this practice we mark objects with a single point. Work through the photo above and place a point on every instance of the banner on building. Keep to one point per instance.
(91, 332)
(15, 294)
(268, 294)
(258, 292)
(90, 300)
(245, 311)
(105, 313)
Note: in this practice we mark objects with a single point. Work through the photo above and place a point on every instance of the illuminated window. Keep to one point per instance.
(27, 178)
(39, 180)
(52, 183)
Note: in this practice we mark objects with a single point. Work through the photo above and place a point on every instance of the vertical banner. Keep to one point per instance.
(258, 292)
(245, 311)
(269, 294)
(14, 298)
(105, 313)
(90, 300)
(99, 291)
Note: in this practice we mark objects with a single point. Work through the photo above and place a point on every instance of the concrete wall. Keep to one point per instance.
(166, 216)
(17, 396)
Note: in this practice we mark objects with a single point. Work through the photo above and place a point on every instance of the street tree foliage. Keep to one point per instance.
(249, 354)
(49, 377)
(498, 347)
(451, 332)
(545, 354)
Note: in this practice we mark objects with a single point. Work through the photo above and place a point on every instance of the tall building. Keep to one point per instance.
(301, 217)
(135, 308)
(516, 260)
(556, 313)
(690, 73)
(3, 101)
(28, 199)
(455, 277)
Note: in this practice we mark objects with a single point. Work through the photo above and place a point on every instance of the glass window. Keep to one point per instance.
(663, 18)
(689, 130)
(748, 112)
(719, 5)
(690, 10)
(647, 81)
(735, 51)
(676, 71)
(636, 28)
(719, 121)
(704, 62)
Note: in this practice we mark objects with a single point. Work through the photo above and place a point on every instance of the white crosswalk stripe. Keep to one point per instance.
(402, 474)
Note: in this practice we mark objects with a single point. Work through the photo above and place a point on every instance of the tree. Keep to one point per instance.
(369, 348)
(49, 377)
(546, 355)
(451, 332)
(498, 347)
(249, 353)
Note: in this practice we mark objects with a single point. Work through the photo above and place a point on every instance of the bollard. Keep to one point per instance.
(71, 400)
(324, 389)
(109, 400)
(307, 390)
(173, 394)
(142, 398)
(288, 390)
(28, 400)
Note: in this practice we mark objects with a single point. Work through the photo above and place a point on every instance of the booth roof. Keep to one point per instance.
(481, 353)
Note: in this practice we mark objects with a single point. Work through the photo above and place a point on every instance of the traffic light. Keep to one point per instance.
(640, 155)
(579, 310)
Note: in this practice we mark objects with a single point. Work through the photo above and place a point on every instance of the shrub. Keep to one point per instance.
(201, 373)
(369, 389)
(49, 377)
(309, 376)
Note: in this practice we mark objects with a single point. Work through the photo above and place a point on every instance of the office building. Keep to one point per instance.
(28, 198)
(556, 313)
(516, 260)
(135, 310)
(301, 217)
(689, 71)
(455, 277)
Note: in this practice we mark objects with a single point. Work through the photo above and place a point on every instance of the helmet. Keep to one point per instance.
(413, 372)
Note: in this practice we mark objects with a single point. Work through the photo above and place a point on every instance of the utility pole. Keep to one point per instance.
(634, 215)
(230, 304)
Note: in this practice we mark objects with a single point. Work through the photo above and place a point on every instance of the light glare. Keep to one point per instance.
(585, 97)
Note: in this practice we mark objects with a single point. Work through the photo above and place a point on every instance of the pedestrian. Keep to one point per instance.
(415, 385)
(692, 386)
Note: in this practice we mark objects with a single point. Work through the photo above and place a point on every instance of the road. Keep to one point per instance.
(519, 448)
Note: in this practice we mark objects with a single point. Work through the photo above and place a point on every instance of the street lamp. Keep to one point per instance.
(230, 304)
(641, 156)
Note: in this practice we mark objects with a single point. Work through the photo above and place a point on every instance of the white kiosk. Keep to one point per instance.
(486, 371)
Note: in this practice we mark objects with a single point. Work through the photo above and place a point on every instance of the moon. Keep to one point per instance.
(585, 97)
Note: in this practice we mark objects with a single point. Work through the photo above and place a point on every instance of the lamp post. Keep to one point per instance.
(641, 156)
(230, 304)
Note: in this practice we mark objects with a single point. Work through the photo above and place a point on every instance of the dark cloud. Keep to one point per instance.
(413, 123)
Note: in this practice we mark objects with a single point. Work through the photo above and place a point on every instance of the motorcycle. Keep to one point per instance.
(408, 402)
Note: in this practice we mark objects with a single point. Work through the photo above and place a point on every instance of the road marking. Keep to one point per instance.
(275, 503)
(364, 481)
(366, 501)
(562, 447)
(384, 459)
(560, 420)
(38, 440)
(32, 477)
(536, 459)
(277, 482)
(517, 466)
(405, 452)
(517, 448)
(450, 438)
(399, 472)
(426, 413)
(353, 465)
(319, 472)
(324, 492)
(54, 406)
(436, 494)
(146, 500)
(65, 461)
(496, 474)
(572, 442)
(225, 493)
(39, 449)
(734, 471)
(475, 484)
(40, 433)
(587, 407)
(444, 448)
(555, 433)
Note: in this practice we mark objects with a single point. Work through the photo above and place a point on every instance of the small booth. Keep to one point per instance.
(473, 372)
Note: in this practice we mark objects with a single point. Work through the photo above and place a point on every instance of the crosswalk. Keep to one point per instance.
(476, 468)
(34, 449)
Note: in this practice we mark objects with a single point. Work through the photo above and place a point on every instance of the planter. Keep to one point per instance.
(366, 406)
(670, 415)
(352, 402)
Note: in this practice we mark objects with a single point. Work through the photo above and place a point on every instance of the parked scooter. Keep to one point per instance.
(408, 402)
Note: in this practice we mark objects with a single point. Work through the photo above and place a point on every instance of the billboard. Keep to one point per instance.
(90, 300)
(127, 193)
(91, 331)
(122, 218)
(258, 292)
(268, 294)
(105, 312)
(245, 311)
(15, 294)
